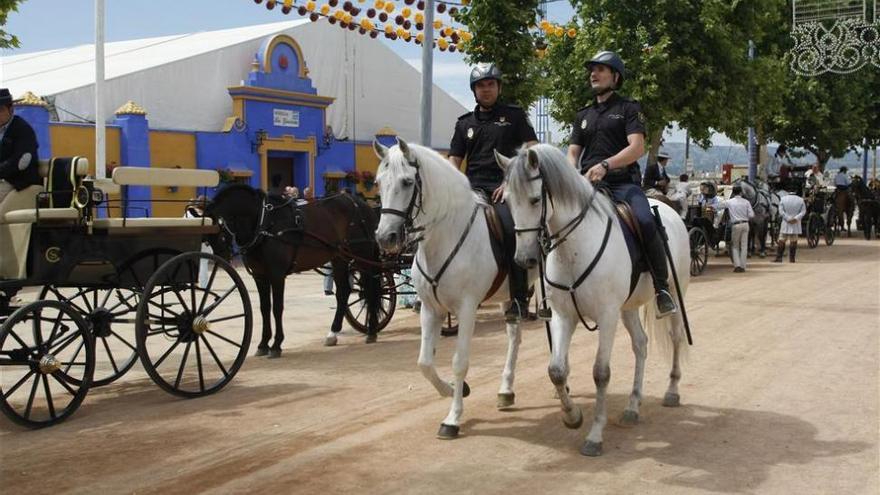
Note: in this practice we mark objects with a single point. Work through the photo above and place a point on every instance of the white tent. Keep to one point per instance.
(181, 80)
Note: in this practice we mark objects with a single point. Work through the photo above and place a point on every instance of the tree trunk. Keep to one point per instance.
(654, 138)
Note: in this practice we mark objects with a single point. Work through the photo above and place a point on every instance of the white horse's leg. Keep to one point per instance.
(640, 350)
(601, 377)
(506, 396)
(431, 323)
(561, 329)
(672, 398)
(460, 363)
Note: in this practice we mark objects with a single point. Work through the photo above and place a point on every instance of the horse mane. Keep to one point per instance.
(448, 187)
(238, 187)
(564, 182)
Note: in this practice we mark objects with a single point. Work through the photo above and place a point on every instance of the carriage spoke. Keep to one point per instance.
(18, 384)
(222, 338)
(182, 365)
(216, 303)
(75, 354)
(179, 298)
(55, 328)
(106, 298)
(192, 285)
(18, 339)
(12, 362)
(163, 308)
(110, 355)
(123, 341)
(167, 353)
(84, 297)
(49, 397)
(68, 300)
(199, 365)
(64, 384)
(30, 402)
(208, 288)
(66, 343)
(214, 355)
(227, 318)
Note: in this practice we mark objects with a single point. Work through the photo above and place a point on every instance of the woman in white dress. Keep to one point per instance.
(792, 209)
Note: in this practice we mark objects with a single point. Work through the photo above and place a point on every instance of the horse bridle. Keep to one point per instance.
(546, 240)
(415, 204)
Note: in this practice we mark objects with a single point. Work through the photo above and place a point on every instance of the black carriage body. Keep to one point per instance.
(66, 256)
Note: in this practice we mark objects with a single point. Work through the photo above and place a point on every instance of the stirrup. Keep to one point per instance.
(660, 312)
(514, 313)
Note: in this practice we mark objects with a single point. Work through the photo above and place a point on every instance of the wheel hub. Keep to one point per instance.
(49, 364)
(100, 320)
(200, 325)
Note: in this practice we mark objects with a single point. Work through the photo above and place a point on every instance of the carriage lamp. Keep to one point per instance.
(260, 136)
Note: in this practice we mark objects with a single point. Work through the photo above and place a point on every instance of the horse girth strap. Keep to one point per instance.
(435, 281)
(586, 273)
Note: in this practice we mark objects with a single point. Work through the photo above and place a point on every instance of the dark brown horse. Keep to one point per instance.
(844, 207)
(276, 238)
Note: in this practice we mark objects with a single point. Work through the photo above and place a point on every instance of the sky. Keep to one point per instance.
(50, 24)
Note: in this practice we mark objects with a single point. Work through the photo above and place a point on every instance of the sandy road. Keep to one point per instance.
(780, 395)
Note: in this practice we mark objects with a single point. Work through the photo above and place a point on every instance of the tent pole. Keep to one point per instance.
(100, 130)
(427, 74)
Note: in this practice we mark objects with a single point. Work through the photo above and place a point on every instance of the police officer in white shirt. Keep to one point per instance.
(740, 211)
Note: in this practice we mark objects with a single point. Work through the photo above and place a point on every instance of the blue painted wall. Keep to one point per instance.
(38, 118)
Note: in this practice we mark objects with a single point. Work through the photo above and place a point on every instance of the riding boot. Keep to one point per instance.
(656, 254)
(792, 252)
(780, 251)
(518, 283)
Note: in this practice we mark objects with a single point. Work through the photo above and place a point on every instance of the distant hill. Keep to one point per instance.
(710, 160)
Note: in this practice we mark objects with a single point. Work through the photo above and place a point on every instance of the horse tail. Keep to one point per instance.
(669, 331)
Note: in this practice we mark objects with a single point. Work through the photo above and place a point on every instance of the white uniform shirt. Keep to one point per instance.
(841, 179)
(740, 209)
(791, 206)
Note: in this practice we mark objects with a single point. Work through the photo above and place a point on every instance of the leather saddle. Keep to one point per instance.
(635, 241)
(502, 251)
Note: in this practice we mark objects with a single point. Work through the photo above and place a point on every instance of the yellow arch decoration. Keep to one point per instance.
(283, 39)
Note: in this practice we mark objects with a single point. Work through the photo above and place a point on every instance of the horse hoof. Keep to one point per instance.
(671, 400)
(506, 400)
(371, 338)
(447, 432)
(591, 449)
(330, 341)
(274, 353)
(577, 422)
(629, 419)
(261, 351)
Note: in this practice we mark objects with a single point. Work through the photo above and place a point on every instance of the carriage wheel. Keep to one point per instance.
(829, 234)
(47, 358)
(110, 315)
(699, 250)
(356, 313)
(191, 340)
(814, 229)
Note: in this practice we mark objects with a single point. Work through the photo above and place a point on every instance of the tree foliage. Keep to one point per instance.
(501, 34)
(686, 59)
(7, 40)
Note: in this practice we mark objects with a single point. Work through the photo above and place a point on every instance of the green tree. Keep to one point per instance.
(501, 34)
(7, 40)
(686, 60)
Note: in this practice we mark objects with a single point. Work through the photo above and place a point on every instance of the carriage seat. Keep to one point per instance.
(18, 213)
(154, 177)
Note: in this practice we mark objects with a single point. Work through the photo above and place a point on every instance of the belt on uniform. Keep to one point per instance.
(740, 221)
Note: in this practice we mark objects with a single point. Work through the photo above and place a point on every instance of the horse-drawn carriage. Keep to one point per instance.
(108, 291)
(703, 235)
(819, 220)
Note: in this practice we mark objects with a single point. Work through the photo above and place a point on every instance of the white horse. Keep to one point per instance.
(454, 267)
(551, 201)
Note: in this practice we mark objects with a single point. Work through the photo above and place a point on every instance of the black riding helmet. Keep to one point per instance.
(610, 60)
(484, 71)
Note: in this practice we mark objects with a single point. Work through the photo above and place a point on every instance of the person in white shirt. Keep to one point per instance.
(841, 180)
(681, 193)
(792, 209)
(740, 211)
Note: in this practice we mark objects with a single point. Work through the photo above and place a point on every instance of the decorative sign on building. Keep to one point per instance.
(833, 36)
(285, 118)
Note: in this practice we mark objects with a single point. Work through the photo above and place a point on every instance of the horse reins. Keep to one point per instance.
(545, 239)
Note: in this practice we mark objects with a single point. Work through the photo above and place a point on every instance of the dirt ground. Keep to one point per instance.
(780, 395)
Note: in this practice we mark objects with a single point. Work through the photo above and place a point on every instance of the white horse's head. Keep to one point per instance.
(525, 196)
(400, 190)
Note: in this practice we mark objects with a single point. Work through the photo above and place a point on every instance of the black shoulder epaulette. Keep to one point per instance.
(464, 116)
(514, 106)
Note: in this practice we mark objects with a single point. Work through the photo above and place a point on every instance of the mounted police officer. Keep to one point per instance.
(608, 137)
(494, 125)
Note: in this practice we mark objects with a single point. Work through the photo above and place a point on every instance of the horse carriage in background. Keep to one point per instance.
(109, 291)
(819, 220)
(707, 228)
